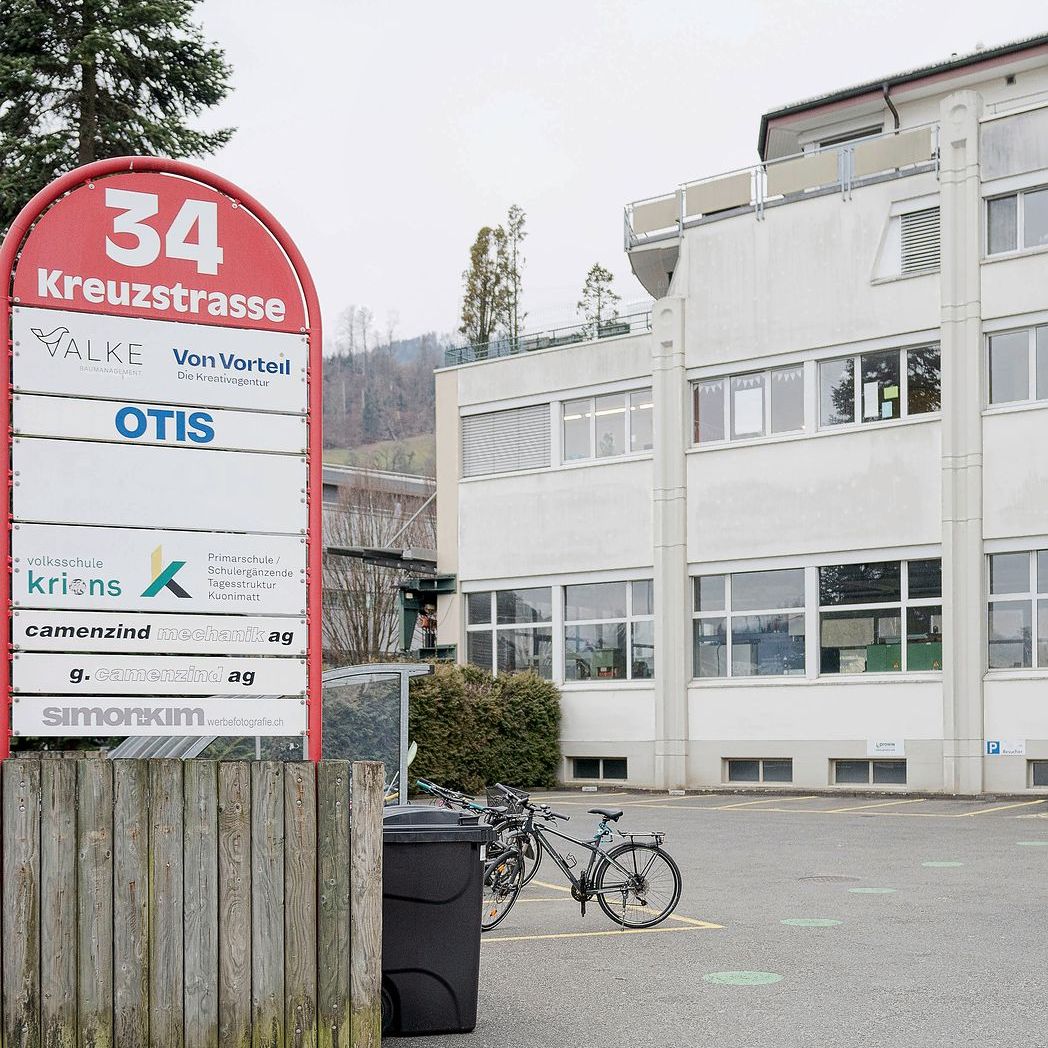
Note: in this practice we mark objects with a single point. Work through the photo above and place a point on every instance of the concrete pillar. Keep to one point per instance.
(448, 441)
(670, 531)
(964, 602)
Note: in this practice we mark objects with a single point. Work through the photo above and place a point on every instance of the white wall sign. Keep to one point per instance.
(1005, 748)
(885, 748)
(93, 355)
(185, 426)
(80, 482)
(68, 715)
(143, 632)
(125, 569)
(49, 673)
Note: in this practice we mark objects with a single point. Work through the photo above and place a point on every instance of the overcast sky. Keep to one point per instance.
(383, 134)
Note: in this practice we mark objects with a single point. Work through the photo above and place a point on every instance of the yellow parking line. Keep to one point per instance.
(555, 887)
(762, 800)
(1000, 807)
(703, 926)
(692, 920)
(879, 804)
(553, 898)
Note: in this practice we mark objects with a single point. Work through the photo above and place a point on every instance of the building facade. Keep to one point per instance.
(794, 529)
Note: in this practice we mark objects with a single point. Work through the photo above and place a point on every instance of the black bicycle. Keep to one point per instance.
(636, 883)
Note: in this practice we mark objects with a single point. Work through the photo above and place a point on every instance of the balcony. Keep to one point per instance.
(634, 322)
(653, 226)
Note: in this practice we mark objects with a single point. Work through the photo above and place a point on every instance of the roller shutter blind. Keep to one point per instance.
(501, 441)
(920, 240)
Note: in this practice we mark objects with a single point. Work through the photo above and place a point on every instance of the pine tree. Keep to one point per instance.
(598, 302)
(82, 80)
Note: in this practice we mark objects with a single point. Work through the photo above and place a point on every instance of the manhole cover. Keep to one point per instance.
(830, 878)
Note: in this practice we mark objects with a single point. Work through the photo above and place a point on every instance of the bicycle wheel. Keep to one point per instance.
(503, 879)
(640, 888)
(530, 843)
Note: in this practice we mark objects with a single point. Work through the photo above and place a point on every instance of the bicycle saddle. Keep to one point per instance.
(608, 813)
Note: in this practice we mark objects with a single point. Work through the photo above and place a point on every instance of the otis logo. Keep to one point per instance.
(164, 576)
(61, 345)
(170, 424)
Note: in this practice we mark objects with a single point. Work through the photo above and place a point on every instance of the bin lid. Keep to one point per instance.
(424, 824)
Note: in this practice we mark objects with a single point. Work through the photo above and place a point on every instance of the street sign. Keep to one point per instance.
(157, 633)
(162, 384)
(67, 715)
(1005, 748)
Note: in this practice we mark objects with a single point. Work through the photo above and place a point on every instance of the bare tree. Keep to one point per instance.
(360, 598)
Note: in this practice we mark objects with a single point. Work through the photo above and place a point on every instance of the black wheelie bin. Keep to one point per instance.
(432, 880)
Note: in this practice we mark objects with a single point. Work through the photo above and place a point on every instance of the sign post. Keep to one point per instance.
(160, 412)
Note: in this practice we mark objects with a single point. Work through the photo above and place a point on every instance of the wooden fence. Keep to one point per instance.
(177, 904)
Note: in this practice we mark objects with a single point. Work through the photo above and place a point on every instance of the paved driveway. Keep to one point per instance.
(805, 922)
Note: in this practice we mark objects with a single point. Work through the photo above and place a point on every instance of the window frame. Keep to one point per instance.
(726, 380)
(728, 614)
(627, 400)
(760, 780)
(870, 762)
(1033, 597)
(627, 621)
(1020, 222)
(601, 777)
(1031, 367)
(904, 604)
(492, 627)
(857, 388)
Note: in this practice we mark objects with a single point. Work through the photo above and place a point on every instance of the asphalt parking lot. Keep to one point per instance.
(805, 922)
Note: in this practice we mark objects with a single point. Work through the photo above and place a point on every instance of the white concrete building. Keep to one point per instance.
(794, 529)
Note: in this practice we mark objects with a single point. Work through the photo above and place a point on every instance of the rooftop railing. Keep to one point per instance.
(753, 189)
(632, 323)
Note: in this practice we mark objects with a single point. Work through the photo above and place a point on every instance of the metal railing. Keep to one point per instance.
(629, 324)
(801, 176)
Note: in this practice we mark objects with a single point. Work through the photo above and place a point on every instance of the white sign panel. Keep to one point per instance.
(186, 571)
(143, 632)
(93, 355)
(181, 427)
(1005, 748)
(50, 673)
(885, 748)
(66, 715)
(77, 482)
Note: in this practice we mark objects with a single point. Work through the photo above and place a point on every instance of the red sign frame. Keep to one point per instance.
(301, 314)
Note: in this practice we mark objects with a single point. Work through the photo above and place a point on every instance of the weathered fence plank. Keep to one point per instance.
(94, 789)
(130, 904)
(21, 904)
(366, 915)
(201, 904)
(267, 904)
(300, 905)
(234, 905)
(165, 904)
(58, 904)
(333, 886)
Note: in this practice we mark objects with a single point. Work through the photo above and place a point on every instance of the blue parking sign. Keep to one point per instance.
(993, 747)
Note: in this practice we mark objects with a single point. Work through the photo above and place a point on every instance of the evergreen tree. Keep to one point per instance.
(82, 80)
(598, 302)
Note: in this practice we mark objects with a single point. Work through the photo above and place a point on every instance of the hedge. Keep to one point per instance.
(473, 729)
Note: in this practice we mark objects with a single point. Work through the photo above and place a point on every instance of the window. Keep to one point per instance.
(502, 441)
(746, 406)
(847, 137)
(1038, 773)
(1017, 221)
(919, 232)
(1018, 605)
(883, 617)
(875, 387)
(510, 630)
(750, 624)
(609, 631)
(608, 426)
(1018, 365)
(598, 767)
(862, 773)
(767, 769)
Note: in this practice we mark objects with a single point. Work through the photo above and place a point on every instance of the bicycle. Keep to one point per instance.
(625, 879)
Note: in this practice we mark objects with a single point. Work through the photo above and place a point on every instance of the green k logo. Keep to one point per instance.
(164, 576)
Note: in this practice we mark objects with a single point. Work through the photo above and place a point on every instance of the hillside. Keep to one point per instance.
(411, 455)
